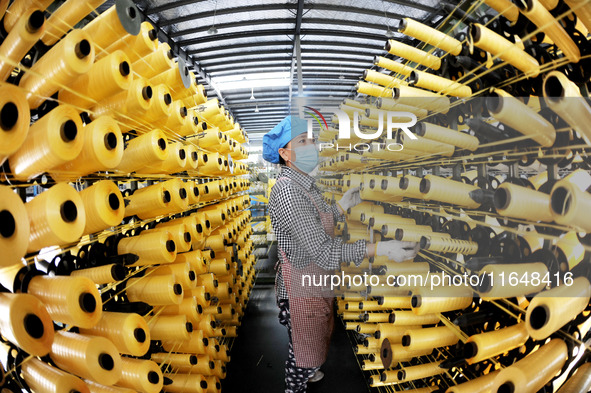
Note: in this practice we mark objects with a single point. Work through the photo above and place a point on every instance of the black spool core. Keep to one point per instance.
(192, 276)
(8, 116)
(184, 111)
(167, 99)
(152, 34)
(218, 385)
(383, 377)
(68, 131)
(118, 272)
(385, 352)
(140, 335)
(178, 289)
(507, 387)
(7, 224)
(424, 186)
(189, 327)
(166, 197)
(36, 21)
(82, 49)
(502, 198)
(553, 88)
(475, 32)
(413, 78)
(406, 341)
(494, 103)
(485, 284)
(398, 234)
(182, 154)
(153, 377)
(211, 364)
(183, 193)
(170, 246)
(110, 141)
(114, 201)
(131, 12)
(187, 237)
(372, 184)
(205, 342)
(207, 296)
(401, 374)
(162, 144)
(193, 359)
(194, 156)
(33, 326)
(424, 243)
(470, 350)
(203, 384)
(106, 361)
(539, 317)
(124, 68)
(68, 211)
(87, 302)
(416, 301)
(403, 183)
(147, 92)
(560, 201)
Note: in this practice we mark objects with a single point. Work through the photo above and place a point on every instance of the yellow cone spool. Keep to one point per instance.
(127, 331)
(102, 150)
(68, 59)
(56, 217)
(52, 141)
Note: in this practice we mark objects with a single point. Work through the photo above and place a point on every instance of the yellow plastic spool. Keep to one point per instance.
(90, 357)
(52, 141)
(15, 119)
(156, 291)
(430, 36)
(68, 59)
(137, 46)
(106, 78)
(26, 323)
(102, 150)
(103, 206)
(151, 248)
(56, 217)
(41, 377)
(71, 300)
(14, 227)
(144, 150)
(127, 331)
(413, 54)
(20, 40)
(66, 16)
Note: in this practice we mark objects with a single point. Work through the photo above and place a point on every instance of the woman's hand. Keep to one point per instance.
(350, 199)
(396, 250)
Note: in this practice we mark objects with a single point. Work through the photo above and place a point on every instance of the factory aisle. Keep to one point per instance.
(260, 351)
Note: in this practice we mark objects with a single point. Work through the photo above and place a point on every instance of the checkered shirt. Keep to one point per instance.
(298, 228)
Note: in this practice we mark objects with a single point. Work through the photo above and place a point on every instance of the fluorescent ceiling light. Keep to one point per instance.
(252, 81)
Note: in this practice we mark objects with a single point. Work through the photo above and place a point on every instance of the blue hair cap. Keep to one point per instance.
(280, 135)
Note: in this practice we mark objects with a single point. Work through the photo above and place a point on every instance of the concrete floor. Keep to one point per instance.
(260, 351)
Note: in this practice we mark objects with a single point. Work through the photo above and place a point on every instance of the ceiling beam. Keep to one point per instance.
(332, 44)
(271, 21)
(227, 11)
(286, 32)
(170, 5)
(305, 53)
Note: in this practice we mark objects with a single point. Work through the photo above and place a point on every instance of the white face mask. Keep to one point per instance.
(306, 158)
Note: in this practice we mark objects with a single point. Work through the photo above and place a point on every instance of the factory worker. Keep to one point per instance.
(304, 225)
